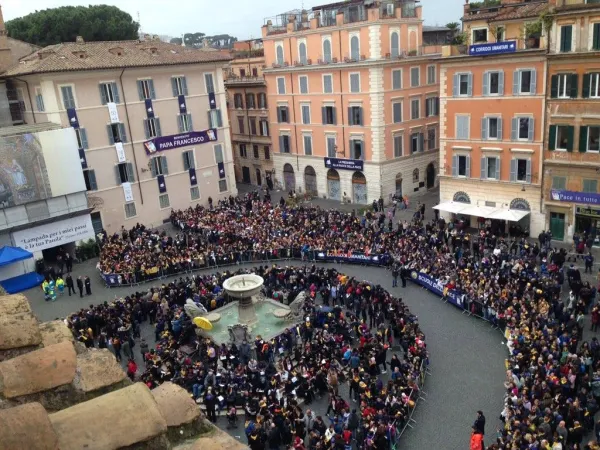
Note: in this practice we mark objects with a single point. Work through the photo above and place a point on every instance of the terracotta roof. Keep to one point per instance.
(509, 12)
(76, 56)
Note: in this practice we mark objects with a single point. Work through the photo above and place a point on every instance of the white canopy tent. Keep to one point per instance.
(487, 212)
(510, 215)
(452, 207)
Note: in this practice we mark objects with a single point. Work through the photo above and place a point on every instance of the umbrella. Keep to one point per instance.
(202, 322)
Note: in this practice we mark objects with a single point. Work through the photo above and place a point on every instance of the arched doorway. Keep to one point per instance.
(430, 176)
(461, 197)
(522, 226)
(334, 187)
(289, 179)
(359, 188)
(310, 181)
(258, 177)
(399, 185)
(246, 174)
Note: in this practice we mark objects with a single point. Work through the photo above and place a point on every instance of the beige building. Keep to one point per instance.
(150, 119)
(249, 116)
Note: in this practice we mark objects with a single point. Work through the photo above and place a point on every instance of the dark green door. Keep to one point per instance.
(557, 226)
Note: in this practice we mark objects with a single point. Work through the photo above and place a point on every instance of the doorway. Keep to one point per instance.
(430, 176)
(334, 188)
(289, 178)
(310, 181)
(359, 188)
(557, 226)
(246, 175)
(258, 177)
(398, 192)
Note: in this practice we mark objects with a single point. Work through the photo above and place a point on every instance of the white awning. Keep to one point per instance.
(511, 215)
(479, 211)
(452, 207)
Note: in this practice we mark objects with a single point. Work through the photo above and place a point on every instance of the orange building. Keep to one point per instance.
(248, 114)
(353, 100)
(572, 156)
(492, 118)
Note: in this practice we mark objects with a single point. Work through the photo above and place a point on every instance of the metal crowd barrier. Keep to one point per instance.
(415, 396)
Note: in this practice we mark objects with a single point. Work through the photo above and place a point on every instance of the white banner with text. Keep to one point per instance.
(54, 234)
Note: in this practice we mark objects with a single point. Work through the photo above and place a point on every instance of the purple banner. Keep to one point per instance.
(587, 198)
(73, 120)
(149, 108)
(193, 179)
(182, 105)
(82, 158)
(221, 167)
(212, 101)
(180, 140)
(162, 186)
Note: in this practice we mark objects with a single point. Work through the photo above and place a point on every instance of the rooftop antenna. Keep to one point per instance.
(139, 20)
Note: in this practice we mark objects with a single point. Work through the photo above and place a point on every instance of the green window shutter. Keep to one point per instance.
(115, 91)
(570, 137)
(103, 98)
(552, 138)
(585, 92)
(92, 180)
(583, 137)
(554, 86)
(596, 38)
(574, 83)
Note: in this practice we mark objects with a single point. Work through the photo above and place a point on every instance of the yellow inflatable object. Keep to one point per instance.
(203, 323)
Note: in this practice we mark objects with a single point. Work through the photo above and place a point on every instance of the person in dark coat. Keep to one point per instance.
(69, 262)
(80, 286)
(210, 401)
(69, 283)
(88, 286)
(479, 424)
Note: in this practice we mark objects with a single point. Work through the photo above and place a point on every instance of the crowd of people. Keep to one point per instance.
(525, 288)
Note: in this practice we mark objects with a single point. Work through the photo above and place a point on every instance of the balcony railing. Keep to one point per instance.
(349, 58)
(422, 50)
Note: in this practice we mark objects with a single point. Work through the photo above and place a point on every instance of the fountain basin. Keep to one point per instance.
(243, 286)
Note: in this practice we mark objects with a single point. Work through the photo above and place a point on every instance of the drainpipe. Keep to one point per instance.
(29, 95)
(131, 136)
(294, 111)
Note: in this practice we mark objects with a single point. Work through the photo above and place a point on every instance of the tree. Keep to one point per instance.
(64, 24)
(176, 41)
(453, 26)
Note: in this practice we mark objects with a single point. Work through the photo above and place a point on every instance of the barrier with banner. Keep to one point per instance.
(455, 297)
(356, 258)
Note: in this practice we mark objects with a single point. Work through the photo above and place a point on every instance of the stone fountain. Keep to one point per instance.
(243, 288)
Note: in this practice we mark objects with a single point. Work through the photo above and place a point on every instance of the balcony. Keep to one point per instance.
(244, 81)
(423, 50)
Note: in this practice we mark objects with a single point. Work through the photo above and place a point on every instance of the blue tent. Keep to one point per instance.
(9, 255)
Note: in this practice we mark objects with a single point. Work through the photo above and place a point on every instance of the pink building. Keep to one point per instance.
(353, 100)
(150, 119)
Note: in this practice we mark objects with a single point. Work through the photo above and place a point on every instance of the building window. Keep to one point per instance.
(354, 47)
(267, 152)
(214, 118)
(241, 126)
(431, 139)
(179, 86)
(397, 79)
(188, 160)
(354, 83)
(415, 103)
(327, 50)
(250, 104)
(124, 173)
(522, 129)
(238, 101)
(432, 106)
(331, 146)
(524, 81)
(307, 138)
(282, 114)
(461, 166)
(243, 151)
(566, 86)
(415, 176)
(462, 127)
(264, 128)
(564, 137)
(500, 32)
(305, 114)
(81, 135)
(262, 100)
(146, 89)
(159, 166)
(109, 93)
(163, 201)
(279, 54)
(68, 97)
(152, 128)
(416, 142)
(480, 35)
(303, 81)
(591, 138)
(415, 73)
(431, 75)
(302, 52)
(591, 85)
(398, 145)
(397, 112)
(520, 170)
(328, 113)
(184, 122)
(130, 210)
(355, 115)
(491, 128)
(194, 193)
(566, 38)
(590, 186)
(39, 100)
(493, 83)
(116, 133)
(394, 44)
(462, 85)
(89, 177)
(242, 73)
(255, 152)
(252, 122)
(357, 149)
(280, 85)
(209, 83)
(327, 84)
(218, 150)
(284, 144)
(222, 185)
(490, 168)
(559, 183)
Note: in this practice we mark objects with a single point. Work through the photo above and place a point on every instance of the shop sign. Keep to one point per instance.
(53, 234)
(589, 212)
(587, 198)
(493, 49)
(344, 164)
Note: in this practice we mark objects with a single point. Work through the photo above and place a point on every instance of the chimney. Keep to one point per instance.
(466, 8)
(79, 40)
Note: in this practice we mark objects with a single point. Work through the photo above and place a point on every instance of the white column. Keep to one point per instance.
(374, 41)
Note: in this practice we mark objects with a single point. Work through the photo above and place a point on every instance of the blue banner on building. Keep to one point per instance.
(587, 198)
(73, 120)
(149, 108)
(344, 164)
(180, 140)
(435, 286)
(358, 258)
(182, 105)
(162, 186)
(82, 158)
(193, 179)
(212, 101)
(221, 168)
(496, 48)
